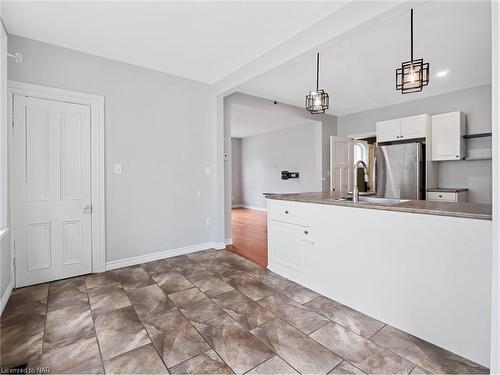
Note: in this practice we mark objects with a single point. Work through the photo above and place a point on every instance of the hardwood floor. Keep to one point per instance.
(250, 235)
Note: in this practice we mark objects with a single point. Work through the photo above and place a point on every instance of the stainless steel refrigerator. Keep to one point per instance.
(400, 171)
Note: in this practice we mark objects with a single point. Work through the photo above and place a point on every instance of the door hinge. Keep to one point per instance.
(13, 121)
(14, 259)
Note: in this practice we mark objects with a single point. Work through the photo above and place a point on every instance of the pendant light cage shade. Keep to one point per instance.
(317, 101)
(412, 76)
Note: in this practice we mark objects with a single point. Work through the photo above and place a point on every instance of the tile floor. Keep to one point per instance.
(211, 312)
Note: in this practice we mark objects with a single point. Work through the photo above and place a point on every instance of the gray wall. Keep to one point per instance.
(263, 157)
(475, 102)
(157, 128)
(236, 191)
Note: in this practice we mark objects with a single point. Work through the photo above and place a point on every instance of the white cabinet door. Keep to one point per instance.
(52, 190)
(413, 127)
(388, 131)
(288, 247)
(447, 136)
(341, 164)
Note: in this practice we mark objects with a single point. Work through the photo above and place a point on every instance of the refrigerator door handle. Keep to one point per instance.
(419, 160)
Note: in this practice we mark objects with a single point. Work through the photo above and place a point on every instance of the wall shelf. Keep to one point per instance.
(478, 158)
(477, 145)
(478, 135)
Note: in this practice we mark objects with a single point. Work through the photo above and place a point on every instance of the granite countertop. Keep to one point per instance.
(463, 210)
(447, 190)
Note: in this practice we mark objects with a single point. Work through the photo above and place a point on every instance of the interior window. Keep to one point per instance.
(360, 152)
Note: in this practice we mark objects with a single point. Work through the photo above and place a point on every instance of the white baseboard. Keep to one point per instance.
(132, 261)
(218, 245)
(228, 241)
(5, 297)
(251, 207)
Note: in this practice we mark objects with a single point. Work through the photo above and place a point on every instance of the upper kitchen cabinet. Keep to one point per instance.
(388, 130)
(402, 129)
(413, 127)
(448, 130)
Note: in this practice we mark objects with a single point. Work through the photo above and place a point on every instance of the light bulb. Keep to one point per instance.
(412, 75)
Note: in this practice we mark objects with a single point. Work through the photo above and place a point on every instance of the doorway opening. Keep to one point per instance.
(271, 148)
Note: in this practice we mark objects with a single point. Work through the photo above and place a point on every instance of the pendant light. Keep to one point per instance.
(317, 101)
(414, 74)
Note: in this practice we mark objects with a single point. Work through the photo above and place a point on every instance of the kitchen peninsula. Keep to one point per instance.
(423, 267)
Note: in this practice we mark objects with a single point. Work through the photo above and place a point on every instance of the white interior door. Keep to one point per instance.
(52, 190)
(341, 164)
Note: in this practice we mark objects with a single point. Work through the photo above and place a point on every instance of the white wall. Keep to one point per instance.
(495, 280)
(475, 102)
(5, 264)
(5, 258)
(263, 157)
(158, 127)
(236, 190)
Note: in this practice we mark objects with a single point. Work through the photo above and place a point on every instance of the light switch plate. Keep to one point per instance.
(207, 171)
(118, 169)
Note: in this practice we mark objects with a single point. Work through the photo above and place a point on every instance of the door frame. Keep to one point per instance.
(96, 103)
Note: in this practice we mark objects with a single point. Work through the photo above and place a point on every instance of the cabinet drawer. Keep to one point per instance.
(442, 197)
(288, 212)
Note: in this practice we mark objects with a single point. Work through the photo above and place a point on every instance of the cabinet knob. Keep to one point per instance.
(286, 212)
(306, 232)
(457, 156)
(440, 196)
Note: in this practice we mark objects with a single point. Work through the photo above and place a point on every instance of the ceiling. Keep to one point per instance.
(200, 40)
(247, 121)
(358, 67)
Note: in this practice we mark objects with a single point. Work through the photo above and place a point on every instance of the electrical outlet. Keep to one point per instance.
(118, 169)
(208, 221)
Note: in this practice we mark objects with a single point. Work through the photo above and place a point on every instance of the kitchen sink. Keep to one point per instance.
(382, 201)
(375, 200)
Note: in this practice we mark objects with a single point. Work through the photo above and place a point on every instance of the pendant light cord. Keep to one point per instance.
(411, 34)
(317, 71)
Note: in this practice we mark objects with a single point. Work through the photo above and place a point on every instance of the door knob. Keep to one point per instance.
(87, 208)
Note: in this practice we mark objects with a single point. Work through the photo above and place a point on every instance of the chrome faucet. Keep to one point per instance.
(355, 190)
